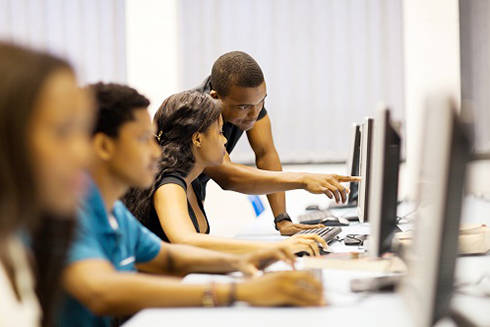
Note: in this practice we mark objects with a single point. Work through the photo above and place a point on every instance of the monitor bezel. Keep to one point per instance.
(353, 164)
(365, 164)
(440, 194)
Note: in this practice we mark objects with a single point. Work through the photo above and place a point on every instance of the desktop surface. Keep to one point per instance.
(380, 309)
(243, 316)
(345, 307)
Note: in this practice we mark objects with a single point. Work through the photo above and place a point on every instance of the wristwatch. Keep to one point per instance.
(281, 217)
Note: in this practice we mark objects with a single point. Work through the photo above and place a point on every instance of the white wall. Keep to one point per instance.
(152, 48)
(479, 178)
(327, 64)
(90, 34)
(431, 64)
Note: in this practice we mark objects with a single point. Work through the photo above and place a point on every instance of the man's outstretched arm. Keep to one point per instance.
(267, 158)
(248, 180)
(271, 180)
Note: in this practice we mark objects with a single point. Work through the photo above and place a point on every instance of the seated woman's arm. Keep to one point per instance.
(180, 260)
(170, 201)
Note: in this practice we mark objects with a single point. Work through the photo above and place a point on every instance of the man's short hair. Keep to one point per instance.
(115, 106)
(235, 68)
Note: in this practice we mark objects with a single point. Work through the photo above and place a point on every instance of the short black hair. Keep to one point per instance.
(116, 104)
(235, 68)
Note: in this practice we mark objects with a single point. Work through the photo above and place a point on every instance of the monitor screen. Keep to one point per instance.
(365, 163)
(353, 164)
(383, 196)
(445, 150)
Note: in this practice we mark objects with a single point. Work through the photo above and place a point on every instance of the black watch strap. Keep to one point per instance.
(281, 217)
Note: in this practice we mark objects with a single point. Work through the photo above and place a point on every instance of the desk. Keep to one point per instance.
(346, 308)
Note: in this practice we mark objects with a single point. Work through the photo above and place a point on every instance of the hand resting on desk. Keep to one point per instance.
(294, 288)
(288, 228)
(250, 264)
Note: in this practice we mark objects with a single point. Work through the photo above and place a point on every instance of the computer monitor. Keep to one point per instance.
(383, 197)
(353, 164)
(431, 259)
(365, 163)
(352, 170)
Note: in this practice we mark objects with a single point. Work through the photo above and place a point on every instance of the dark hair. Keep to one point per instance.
(179, 117)
(50, 244)
(115, 106)
(235, 68)
(23, 74)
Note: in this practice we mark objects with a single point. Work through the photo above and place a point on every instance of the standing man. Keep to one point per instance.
(237, 81)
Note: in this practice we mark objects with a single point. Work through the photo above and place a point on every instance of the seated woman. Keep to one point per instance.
(189, 132)
(44, 141)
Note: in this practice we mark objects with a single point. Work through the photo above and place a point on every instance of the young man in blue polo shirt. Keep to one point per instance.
(101, 277)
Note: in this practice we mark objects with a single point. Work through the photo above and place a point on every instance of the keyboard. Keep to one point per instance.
(314, 217)
(324, 217)
(327, 233)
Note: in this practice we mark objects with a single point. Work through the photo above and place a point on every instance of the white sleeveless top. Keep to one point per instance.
(27, 312)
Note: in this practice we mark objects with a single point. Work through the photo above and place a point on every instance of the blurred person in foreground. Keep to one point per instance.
(45, 125)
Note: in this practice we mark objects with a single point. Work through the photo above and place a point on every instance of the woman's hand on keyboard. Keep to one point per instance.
(298, 288)
(251, 263)
(306, 242)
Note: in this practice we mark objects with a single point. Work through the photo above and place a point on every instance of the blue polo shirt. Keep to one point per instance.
(123, 246)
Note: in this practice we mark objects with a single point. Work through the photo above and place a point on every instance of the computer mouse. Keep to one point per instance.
(354, 239)
(312, 207)
(343, 221)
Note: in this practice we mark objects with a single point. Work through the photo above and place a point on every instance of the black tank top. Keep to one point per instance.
(153, 223)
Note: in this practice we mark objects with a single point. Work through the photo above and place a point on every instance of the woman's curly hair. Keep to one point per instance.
(179, 117)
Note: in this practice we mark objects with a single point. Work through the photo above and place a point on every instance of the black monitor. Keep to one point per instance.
(352, 170)
(445, 151)
(365, 164)
(353, 164)
(383, 197)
